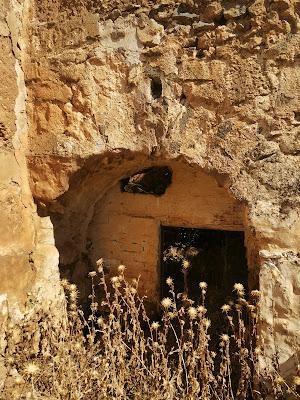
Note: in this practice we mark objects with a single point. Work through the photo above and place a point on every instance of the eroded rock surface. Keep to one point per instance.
(114, 87)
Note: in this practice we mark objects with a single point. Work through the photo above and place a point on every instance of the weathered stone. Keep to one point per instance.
(233, 10)
(94, 92)
(53, 91)
(198, 94)
(19, 220)
(4, 31)
(213, 10)
(91, 22)
(201, 70)
(150, 33)
(205, 40)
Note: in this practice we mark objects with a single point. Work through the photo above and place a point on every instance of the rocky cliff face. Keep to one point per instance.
(25, 245)
(113, 87)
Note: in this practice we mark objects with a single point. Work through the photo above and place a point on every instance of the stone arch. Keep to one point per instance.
(202, 197)
(126, 227)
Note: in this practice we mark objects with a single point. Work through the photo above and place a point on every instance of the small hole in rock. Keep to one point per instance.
(200, 54)
(183, 8)
(154, 180)
(297, 115)
(156, 88)
(221, 20)
(183, 99)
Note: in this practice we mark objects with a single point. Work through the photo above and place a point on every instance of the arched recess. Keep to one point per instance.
(95, 218)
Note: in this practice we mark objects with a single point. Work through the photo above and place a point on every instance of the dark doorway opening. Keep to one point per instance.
(190, 256)
(212, 256)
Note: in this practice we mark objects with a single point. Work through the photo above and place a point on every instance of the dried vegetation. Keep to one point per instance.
(117, 352)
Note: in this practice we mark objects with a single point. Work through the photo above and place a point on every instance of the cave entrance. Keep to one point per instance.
(190, 256)
(149, 209)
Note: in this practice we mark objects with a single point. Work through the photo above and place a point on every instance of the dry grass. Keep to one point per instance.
(117, 352)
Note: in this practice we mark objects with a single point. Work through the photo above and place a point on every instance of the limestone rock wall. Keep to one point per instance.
(28, 256)
(115, 86)
(27, 252)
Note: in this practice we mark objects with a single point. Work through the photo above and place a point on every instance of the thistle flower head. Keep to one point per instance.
(279, 380)
(19, 380)
(92, 274)
(192, 251)
(31, 368)
(192, 312)
(239, 288)
(121, 268)
(169, 281)
(166, 302)
(203, 285)
(207, 323)
(296, 380)
(135, 282)
(224, 337)
(133, 290)
(10, 360)
(77, 346)
(225, 308)
(74, 295)
(94, 306)
(201, 309)
(115, 281)
(186, 264)
(65, 283)
(255, 293)
(155, 325)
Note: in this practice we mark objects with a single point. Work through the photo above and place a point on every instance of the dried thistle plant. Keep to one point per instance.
(117, 352)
